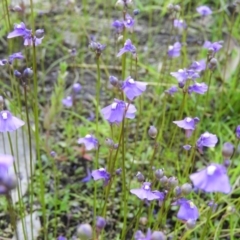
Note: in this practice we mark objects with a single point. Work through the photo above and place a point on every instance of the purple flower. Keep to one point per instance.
(139, 235)
(97, 47)
(174, 50)
(187, 147)
(100, 223)
(212, 179)
(179, 24)
(8, 122)
(198, 66)
(3, 62)
(145, 193)
(20, 30)
(204, 10)
(133, 88)
(29, 40)
(61, 238)
(128, 22)
(199, 88)
(115, 112)
(187, 210)
(188, 124)
(215, 47)
(101, 173)
(89, 141)
(14, 56)
(238, 131)
(184, 74)
(6, 178)
(171, 91)
(68, 101)
(206, 140)
(118, 26)
(128, 47)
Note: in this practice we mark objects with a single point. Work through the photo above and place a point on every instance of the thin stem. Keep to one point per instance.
(98, 87)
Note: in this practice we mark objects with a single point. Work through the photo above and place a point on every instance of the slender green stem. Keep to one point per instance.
(31, 157)
(98, 88)
(37, 140)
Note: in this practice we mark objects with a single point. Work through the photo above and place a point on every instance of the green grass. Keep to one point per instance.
(57, 181)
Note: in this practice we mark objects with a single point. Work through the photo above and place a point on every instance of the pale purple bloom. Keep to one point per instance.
(188, 124)
(160, 195)
(187, 147)
(206, 140)
(139, 235)
(76, 87)
(129, 22)
(198, 66)
(6, 178)
(61, 238)
(14, 56)
(89, 141)
(178, 23)
(133, 88)
(8, 122)
(29, 40)
(145, 193)
(171, 91)
(128, 47)
(199, 88)
(118, 26)
(187, 210)
(182, 75)
(3, 62)
(20, 30)
(68, 101)
(238, 131)
(101, 173)
(213, 178)
(204, 10)
(215, 47)
(174, 50)
(119, 109)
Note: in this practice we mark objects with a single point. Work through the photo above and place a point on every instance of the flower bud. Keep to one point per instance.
(17, 9)
(186, 188)
(109, 142)
(177, 191)
(177, 8)
(120, 5)
(39, 33)
(93, 46)
(152, 132)
(172, 181)
(100, 223)
(227, 163)
(157, 235)
(113, 81)
(53, 154)
(17, 74)
(190, 224)
(115, 146)
(231, 209)
(212, 64)
(159, 173)
(84, 231)
(129, 3)
(120, 38)
(76, 87)
(4, 61)
(140, 177)
(181, 84)
(143, 220)
(170, 7)
(227, 150)
(136, 12)
(28, 72)
(118, 171)
(163, 180)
